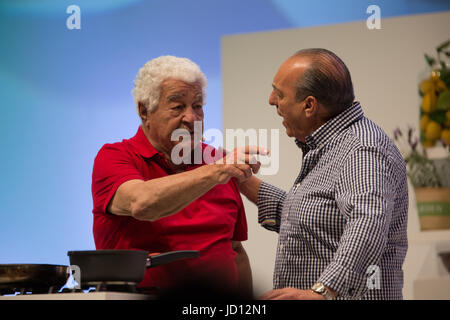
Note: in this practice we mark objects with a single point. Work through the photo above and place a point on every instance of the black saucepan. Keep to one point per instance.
(38, 277)
(121, 265)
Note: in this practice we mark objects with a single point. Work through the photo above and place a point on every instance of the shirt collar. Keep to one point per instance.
(331, 128)
(142, 145)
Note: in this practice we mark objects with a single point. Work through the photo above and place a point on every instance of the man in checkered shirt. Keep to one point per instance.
(342, 226)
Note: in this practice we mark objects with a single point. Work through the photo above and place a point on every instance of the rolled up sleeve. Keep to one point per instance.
(270, 204)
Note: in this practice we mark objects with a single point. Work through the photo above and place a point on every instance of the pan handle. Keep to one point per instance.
(164, 258)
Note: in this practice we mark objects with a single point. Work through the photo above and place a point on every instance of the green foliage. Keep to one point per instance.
(438, 116)
(422, 171)
(441, 49)
(445, 76)
(443, 46)
(443, 102)
(430, 60)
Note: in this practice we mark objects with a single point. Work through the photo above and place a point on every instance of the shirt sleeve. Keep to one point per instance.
(270, 204)
(112, 167)
(365, 196)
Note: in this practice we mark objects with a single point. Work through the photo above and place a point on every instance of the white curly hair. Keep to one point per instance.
(147, 86)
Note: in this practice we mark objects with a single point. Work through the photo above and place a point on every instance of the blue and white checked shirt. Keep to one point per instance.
(346, 215)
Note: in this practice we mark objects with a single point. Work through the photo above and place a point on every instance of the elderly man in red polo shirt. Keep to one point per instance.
(145, 200)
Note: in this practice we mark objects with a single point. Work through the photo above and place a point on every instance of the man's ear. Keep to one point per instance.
(142, 111)
(311, 106)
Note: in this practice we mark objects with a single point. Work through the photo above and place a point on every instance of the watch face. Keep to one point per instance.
(318, 287)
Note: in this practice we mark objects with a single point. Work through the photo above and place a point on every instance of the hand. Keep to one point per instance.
(245, 155)
(240, 163)
(291, 294)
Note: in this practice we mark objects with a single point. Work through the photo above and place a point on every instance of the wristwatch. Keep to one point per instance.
(321, 289)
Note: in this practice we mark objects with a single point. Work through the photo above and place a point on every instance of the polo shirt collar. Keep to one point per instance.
(142, 145)
(331, 128)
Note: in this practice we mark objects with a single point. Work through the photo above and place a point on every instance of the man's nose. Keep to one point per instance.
(190, 116)
(273, 101)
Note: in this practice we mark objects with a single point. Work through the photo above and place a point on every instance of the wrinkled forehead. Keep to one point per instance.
(174, 89)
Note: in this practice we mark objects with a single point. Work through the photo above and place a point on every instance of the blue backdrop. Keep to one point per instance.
(64, 93)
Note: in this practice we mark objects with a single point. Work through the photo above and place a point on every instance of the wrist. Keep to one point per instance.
(250, 188)
(316, 296)
(216, 174)
(321, 289)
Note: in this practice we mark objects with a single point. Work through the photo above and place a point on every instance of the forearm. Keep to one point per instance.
(157, 198)
(250, 188)
(166, 196)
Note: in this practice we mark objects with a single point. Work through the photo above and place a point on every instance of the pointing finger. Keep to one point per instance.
(256, 150)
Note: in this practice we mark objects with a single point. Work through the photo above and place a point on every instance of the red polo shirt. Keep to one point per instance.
(208, 224)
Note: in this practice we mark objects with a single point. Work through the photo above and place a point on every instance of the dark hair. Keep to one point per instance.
(327, 78)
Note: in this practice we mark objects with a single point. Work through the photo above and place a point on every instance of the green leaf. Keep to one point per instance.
(445, 76)
(438, 116)
(443, 46)
(443, 101)
(430, 60)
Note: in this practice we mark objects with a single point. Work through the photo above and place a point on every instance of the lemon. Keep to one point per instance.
(445, 136)
(428, 143)
(433, 131)
(426, 86)
(440, 86)
(447, 123)
(429, 101)
(423, 122)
